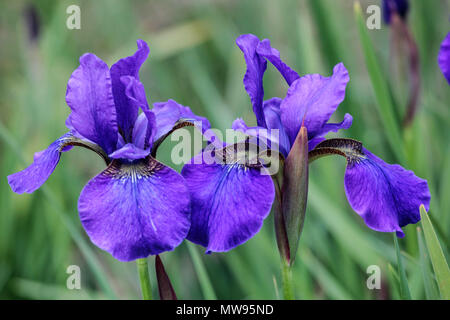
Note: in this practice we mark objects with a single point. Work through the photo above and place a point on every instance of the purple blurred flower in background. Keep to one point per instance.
(230, 202)
(137, 206)
(399, 7)
(444, 57)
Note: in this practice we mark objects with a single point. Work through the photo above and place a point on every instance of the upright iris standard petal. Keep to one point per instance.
(273, 133)
(229, 203)
(386, 196)
(33, 177)
(256, 66)
(169, 112)
(272, 114)
(137, 209)
(444, 57)
(135, 92)
(314, 98)
(127, 112)
(265, 50)
(89, 96)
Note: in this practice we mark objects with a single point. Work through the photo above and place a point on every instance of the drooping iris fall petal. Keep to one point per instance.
(45, 162)
(386, 196)
(133, 210)
(229, 203)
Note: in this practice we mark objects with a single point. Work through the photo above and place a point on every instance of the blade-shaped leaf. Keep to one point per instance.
(380, 87)
(437, 257)
(205, 282)
(428, 281)
(404, 288)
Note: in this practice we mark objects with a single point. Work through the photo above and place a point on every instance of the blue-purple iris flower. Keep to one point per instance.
(230, 201)
(399, 7)
(444, 57)
(137, 206)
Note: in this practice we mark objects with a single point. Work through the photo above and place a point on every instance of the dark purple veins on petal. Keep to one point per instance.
(137, 209)
(229, 203)
(386, 196)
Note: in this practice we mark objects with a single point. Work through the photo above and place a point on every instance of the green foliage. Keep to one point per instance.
(194, 60)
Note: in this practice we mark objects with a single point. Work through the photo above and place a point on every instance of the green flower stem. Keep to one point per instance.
(199, 267)
(286, 280)
(144, 278)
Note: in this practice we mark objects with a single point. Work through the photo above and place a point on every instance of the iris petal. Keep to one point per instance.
(314, 98)
(90, 98)
(130, 151)
(45, 162)
(169, 112)
(127, 112)
(135, 92)
(272, 113)
(265, 49)
(256, 66)
(444, 57)
(229, 203)
(328, 127)
(386, 196)
(136, 209)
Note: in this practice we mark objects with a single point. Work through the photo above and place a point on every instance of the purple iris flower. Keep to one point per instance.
(391, 7)
(137, 206)
(444, 57)
(230, 201)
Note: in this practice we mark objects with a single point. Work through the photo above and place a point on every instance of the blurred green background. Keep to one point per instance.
(195, 61)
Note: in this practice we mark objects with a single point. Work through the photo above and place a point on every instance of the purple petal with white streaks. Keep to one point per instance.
(133, 210)
(229, 203)
(386, 196)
